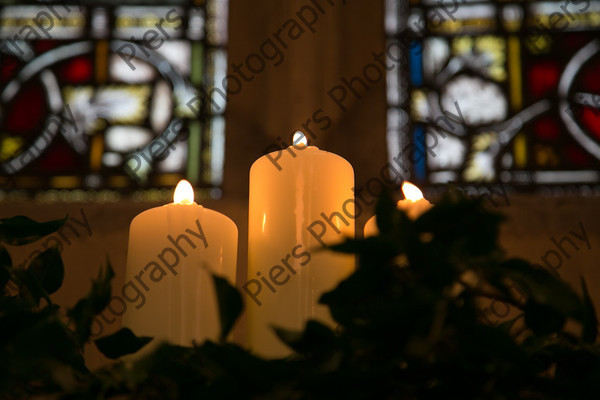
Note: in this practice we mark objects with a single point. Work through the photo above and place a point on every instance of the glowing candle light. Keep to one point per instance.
(295, 205)
(168, 292)
(413, 205)
(184, 193)
(299, 139)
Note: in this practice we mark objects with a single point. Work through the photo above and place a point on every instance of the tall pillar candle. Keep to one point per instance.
(173, 249)
(301, 199)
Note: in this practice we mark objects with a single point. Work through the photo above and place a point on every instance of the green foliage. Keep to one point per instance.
(590, 321)
(41, 353)
(47, 269)
(82, 315)
(21, 230)
(5, 264)
(408, 325)
(121, 343)
(230, 305)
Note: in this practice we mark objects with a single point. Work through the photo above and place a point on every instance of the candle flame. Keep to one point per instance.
(411, 192)
(184, 193)
(299, 139)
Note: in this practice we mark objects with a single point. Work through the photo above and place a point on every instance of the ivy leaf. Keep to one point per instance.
(316, 339)
(543, 288)
(230, 304)
(543, 319)
(121, 343)
(84, 311)
(99, 295)
(43, 276)
(5, 265)
(507, 326)
(347, 301)
(48, 269)
(372, 246)
(463, 225)
(287, 336)
(234, 372)
(22, 230)
(590, 321)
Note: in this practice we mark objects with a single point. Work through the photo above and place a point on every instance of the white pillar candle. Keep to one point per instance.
(300, 198)
(413, 205)
(173, 249)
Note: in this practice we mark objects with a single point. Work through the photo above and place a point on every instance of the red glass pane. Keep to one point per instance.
(546, 128)
(590, 78)
(45, 45)
(578, 156)
(543, 79)
(590, 118)
(77, 70)
(9, 68)
(575, 41)
(59, 158)
(26, 111)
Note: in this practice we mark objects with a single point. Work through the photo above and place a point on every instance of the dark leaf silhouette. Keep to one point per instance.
(230, 304)
(22, 230)
(121, 343)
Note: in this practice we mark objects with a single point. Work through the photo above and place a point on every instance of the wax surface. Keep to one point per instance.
(282, 205)
(174, 248)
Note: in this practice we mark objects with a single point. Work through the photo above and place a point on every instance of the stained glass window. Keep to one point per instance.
(491, 92)
(107, 96)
